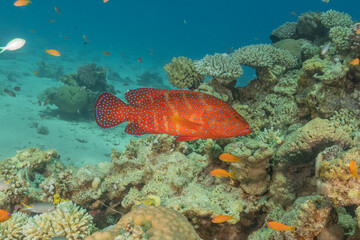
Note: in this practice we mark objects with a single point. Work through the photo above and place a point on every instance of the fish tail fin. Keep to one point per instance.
(3, 49)
(292, 228)
(110, 111)
(232, 175)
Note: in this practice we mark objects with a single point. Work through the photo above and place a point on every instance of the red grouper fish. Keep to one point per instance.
(186, 114)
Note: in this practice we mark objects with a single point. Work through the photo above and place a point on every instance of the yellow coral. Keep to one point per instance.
(182, 73)
(58, 199)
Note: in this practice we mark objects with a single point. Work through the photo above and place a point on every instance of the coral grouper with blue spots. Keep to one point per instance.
(186, 114)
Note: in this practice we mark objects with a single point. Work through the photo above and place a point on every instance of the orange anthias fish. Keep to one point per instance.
(20, 3)
(106, 53)
(353, 169)
(221, 173)
(222, 218)
(53, 52)
(57, 10)
(227, 157)
(355, 61)
(105, 1)
(4, 215)
(186, 114)
(357, 31)
(280, 227)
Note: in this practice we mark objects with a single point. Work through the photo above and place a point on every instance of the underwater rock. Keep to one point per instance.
(46, 70)
(149, 222)
(182, 73)
(253, 169)
(70, 99)
(311, 215)
(334, 180)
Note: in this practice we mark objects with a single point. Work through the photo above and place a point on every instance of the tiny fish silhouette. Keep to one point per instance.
(186, 114)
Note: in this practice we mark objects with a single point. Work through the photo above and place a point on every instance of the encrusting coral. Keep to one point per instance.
(182, 73)
(149, 222)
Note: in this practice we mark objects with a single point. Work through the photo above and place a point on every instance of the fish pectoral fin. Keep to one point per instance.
(185, 138)
(185, 122)
(134, 129)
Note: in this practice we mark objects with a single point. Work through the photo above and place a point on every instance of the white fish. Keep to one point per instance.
(325, 1)
(13, 45)
(41, 207)
(325, 48)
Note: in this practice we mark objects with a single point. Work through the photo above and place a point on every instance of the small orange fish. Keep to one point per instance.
(32, 31)
(221, 173)
(4, 215)
(355, 61)
(53, 52)
(57, 10)
(10, 93)
(35, 73)
(51, 20)
(17, 88)
(66, 38)
(294, 13)
(86, 39)
(227, 157)
(4, 184)
(358, 31)
(222, 218)
(20, 3)
(280, 227)
(105, 1)
(139, 60)
(353, 169)
(106, 53)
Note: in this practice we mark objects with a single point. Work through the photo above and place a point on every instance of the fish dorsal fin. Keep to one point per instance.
(134, 129)
(137, 96)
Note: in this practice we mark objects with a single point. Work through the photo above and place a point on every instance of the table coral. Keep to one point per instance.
(182, 73)
(68, 220)
(334, 180)
(150, 222)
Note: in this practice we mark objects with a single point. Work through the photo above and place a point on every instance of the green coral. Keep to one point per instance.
(70, 99)
(332, 18)
(265, 56)
(69, 79)
(219, 66)
(340, 37)
(182, 73)
(287, 30)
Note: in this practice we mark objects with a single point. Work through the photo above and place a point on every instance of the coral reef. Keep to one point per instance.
(92, 77)
(332, 18)
(182, 73)
(70, 99)
(285, 31)
(149, 222)
(13, 228)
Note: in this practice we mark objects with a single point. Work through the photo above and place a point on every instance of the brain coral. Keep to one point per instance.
(219, 66)
(182, 73)
(265, 55)
(67, 220)
(150, 222)
(332, 18)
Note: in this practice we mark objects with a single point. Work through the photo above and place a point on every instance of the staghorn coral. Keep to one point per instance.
(219, 66)
(285, 31)
(149, 222)
(13, 228)
(67, 220)
(340, 38)
(334, 180)
(182, 73)
(332, 18)
(264, 55)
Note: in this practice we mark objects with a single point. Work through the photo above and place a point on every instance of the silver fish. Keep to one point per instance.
(325, 48)
(41, 207)
(325, 1)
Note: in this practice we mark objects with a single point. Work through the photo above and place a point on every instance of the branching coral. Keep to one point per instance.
(332, 18)
(340, 37)
(219, 66)
(182, 73)
(13, 228)
(285, 31)
(67, 220)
